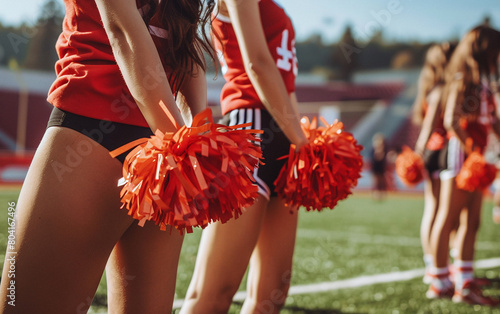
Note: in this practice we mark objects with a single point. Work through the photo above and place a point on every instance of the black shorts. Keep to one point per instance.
(274, 145)
(435, 161)
(111, 135)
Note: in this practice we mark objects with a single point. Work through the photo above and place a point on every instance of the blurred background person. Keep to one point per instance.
(378, 166)
(469, 115)
(432, 139)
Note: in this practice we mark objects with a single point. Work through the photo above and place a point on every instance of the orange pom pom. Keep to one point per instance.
(409, 167)
(322, 172)
(476, 173)
(192, 177)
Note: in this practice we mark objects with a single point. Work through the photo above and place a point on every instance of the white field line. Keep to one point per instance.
(360, 281)
(379, 239)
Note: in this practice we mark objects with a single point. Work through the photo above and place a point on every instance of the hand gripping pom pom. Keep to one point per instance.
(409, 167)
(476, 173)
(192, 177)
(322, 172)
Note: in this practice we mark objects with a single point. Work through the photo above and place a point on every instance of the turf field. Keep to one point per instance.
(362, 257)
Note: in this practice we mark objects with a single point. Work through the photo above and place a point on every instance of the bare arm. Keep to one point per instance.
(453, 113)
(192, 95)
(139, 61)
(430, 120)
(262, 69)
(417, 107)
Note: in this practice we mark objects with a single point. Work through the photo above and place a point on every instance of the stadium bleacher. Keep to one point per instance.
(354, 102)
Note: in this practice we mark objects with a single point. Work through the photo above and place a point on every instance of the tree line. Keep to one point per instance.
(32, 46)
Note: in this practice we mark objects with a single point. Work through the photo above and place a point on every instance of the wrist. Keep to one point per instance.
(301, 142)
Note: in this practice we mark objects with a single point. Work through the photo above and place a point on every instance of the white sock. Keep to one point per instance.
(428, 261)
(440, 277)
(464, 271)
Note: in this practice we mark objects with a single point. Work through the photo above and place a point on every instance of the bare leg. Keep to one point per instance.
(223, 256)
(469, 225)
(68, 221)
(271, 262)
(432, 187)
(142, 269)
(451, 203)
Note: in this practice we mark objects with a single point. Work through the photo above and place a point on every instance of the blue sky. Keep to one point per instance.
(410, 19)
(399, 19)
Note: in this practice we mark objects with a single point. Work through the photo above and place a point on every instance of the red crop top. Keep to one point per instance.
(89, 82)
(238, 91)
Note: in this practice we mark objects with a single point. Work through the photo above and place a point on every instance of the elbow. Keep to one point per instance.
(417, 119)
(114, 29)
(450, 124)
(258, 67)
(115, 32)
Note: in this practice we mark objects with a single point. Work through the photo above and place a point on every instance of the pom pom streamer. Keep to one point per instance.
(192, 177)
(322, 172)
(409, 167)
(475, 173)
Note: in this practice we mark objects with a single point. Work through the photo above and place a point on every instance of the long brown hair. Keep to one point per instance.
(476, 56)
(186, 22)
(432, 74)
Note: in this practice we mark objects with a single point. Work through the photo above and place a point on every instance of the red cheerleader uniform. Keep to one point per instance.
(238, 91)
(477, 130)
(89, 82)
(239, 100)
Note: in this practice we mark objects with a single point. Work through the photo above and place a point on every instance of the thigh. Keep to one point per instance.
(223, 256)
(474, 206)
(431, 197)
(451, 202)
(68, 220)
(142, 269)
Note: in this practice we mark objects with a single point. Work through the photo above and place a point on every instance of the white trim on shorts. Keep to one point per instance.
(455, 158)
(250, 115)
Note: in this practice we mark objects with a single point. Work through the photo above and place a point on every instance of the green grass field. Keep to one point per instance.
(361, 237)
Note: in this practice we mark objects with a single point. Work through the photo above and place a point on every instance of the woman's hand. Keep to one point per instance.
(430, 119)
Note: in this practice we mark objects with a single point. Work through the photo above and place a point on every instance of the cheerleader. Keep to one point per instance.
(495, 213)
(469, 114)
(118, 60)
(378, 169)
(432, 139)
(255, 42)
